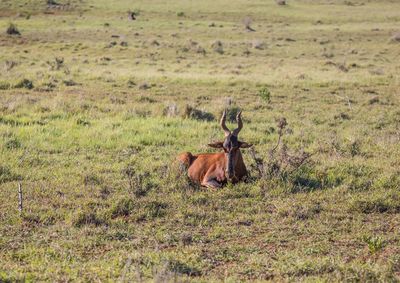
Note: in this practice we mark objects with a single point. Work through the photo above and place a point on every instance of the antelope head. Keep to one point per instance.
(231, 145)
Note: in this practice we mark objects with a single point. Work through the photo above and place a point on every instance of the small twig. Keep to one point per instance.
(20, 207)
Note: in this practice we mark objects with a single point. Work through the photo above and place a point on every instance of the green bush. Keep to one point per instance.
(375, 244)
(24, 83)
(265, 94)
(5, 85)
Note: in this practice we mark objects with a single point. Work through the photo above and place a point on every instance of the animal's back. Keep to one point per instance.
(186, 159)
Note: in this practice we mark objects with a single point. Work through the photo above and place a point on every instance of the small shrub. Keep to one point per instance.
(69, 83)
(183, 268)
(153, 209)
(247, 21)
(82, 122)
(258, 44)
(9, 64)
(123, 207)
(82, 218)
(6, 175)
(132, 15)
(375, 244)
(171, 110)
(91, 180)
(281, 2)
(196, 114)
(12, 143)
(56, 64)
(396, 37)
(51, 2)
(231, 113)
(217, 46)
(5, 85)
(24, 83)
(12, 30)
(180, 14)
(387, 204)
(138, 183)
(264, 94)
(292, 167)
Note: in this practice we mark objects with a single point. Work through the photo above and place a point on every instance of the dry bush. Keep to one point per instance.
(171, 110)
(138, 183)
(283, 163)
(281, 2)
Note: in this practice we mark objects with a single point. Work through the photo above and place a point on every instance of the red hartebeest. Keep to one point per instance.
(213, 170)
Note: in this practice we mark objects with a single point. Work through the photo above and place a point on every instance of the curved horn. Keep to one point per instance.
(222, 123)
(240, 124)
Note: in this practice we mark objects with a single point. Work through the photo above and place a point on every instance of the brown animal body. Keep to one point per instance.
(213, 170)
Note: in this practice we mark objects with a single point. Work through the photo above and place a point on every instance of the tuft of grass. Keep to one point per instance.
(4, 85)
(374, 243)
(6, 175)
(123, 207)
(265, 94)
(376, 204)
(24, 83)
(12, 143)
(197, 114)
(86, 217)
(12, 30)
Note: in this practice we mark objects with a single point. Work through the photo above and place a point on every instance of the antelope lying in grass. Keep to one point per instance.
(213, 170)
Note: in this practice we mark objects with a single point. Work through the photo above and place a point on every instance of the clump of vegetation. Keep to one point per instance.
(4, 85)
(281, 2)
(171, 110)
(284, 164)
(376, 204)
(51, 2)
(24, 83)
(247, 21)
(91, 179)
(196, 114)
(231, 113)
(12, 143)
(258, 44)
(133, 14)
(9, 64)
(138, 183)
(12, 30)
(123, 207)
(180, 14)
(82, 122)
(217, 46)
(86, 217)
(153, 209)
(6, 175)
(375, 244)
(56, 64)
(264, 94)
(396, 37)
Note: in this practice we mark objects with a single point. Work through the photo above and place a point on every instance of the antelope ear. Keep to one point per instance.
(244, 145)
(216, 144)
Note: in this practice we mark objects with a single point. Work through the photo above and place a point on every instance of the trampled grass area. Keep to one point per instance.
(94, 110)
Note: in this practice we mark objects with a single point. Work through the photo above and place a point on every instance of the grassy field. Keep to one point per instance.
(94, 108)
